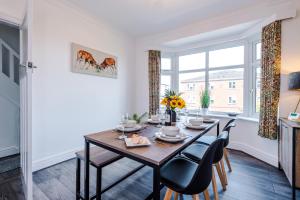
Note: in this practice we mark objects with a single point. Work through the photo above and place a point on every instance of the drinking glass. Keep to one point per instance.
(186, 114)
(124, 120)
(160, 114)
(162, 117)
(198, 113)
(158, 111)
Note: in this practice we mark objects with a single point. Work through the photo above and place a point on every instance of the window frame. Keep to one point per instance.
(171, 71)
(233, 100)
(249, 89)
(231, 85)
(254, 64)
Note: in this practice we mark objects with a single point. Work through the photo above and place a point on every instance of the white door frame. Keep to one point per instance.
(26, 99)
(25, 26)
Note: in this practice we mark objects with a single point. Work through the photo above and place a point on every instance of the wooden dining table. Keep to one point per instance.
(154, 156)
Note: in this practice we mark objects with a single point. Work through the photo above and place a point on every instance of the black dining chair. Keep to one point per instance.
(184, 176)
(195, 152)
(209, 139)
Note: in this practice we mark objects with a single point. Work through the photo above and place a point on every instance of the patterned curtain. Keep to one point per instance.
(154, 80)
(270, 80)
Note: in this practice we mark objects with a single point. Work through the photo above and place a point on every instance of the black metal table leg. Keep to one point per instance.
(218, 129)
(78, 179)
(156, 183)
(99, 184)
(87, 171)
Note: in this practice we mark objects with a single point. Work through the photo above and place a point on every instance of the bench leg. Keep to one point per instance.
(78, 179)
(98, 184)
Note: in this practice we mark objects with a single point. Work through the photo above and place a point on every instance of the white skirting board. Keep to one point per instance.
(265, 157)
(57, 158)
(54, 159)
(8, 151)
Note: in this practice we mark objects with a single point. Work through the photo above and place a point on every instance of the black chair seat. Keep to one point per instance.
(195, 151)
(185, 176)
(178, 173)
(207, 139)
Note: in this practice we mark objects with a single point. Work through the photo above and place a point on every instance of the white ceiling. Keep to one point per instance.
(145, 17)
(12, 10)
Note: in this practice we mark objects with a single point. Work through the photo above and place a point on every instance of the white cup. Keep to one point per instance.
(171, 131)
(155, 117)
(196, 122)
(130, 124)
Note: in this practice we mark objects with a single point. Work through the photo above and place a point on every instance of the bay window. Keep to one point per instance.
(257, 70)
(231, 73)
(166, 75)
(226, 57)
(192, 62)
(166, 63)
(221, 79)
(192, 97)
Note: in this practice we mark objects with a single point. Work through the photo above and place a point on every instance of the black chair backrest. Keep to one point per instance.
(227, 127)
(203, 174)
(219, 151)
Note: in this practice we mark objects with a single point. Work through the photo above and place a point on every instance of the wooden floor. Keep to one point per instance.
(250, 180)
(9, 163)
(11, 185)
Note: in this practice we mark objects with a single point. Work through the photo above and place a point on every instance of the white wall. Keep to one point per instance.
(290, 56)
(244, 137)
(68, 105)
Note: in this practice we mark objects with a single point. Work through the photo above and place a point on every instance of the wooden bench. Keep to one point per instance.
(99, 158)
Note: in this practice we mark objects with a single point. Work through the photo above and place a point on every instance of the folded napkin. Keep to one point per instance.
(136, 139)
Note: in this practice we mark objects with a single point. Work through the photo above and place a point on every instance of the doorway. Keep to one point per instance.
(9, 97)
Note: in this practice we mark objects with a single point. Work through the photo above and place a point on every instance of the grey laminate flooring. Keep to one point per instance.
(251, 179)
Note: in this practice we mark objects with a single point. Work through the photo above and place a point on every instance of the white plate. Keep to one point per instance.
(169, 137)
(158, 135)
(129, 143)
(150, 121)
(201, 127)
(136, 128)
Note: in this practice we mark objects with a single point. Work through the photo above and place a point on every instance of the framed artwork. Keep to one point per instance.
(90, 61)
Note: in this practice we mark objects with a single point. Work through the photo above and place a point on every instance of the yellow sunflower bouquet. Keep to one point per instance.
(172, 100)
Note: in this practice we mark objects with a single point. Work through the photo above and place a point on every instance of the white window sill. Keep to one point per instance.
(250, 119)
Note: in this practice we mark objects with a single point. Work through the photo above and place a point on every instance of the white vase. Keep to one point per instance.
(204, 111)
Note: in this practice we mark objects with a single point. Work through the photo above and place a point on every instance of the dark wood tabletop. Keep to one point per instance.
(157, 153)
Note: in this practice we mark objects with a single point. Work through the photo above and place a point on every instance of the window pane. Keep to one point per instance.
(227, 91)
(257, 89)
(5, 61)
(16, 70)
(193, 61)
(226, 57)
(166, 63)
(191, 85)
(165, 83)
(258, 51)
